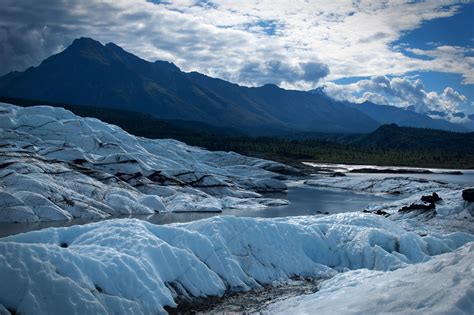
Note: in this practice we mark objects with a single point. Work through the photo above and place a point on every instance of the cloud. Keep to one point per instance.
(277, 72)
(452, 59)
(290, 43)
(408, 93)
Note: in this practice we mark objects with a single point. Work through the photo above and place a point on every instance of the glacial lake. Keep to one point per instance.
(303, 200)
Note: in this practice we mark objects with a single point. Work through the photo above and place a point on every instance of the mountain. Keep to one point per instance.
(386, 114)
(89, 73)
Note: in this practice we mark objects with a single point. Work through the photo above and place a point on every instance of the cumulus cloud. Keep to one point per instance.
(279, 73)
(290, 43)
(402, 92)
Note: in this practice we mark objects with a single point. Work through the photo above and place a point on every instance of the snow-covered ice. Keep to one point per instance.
(130, 266)
(377, 184)
(442, 285)
(55, 165)
(451, 213)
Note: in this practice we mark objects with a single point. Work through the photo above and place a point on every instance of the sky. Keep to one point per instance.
(411, 54)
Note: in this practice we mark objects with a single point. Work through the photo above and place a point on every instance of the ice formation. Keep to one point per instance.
(55, 165)
(442, 285)
(131, 266)
(452, 213)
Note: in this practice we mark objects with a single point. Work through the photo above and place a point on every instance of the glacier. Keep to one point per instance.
(452, 213)
(131, 266)
(55, 165)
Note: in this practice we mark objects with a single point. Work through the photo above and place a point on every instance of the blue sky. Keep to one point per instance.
(457, 30)
(400, 53)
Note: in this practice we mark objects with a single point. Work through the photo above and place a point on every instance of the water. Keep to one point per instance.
(303, 201)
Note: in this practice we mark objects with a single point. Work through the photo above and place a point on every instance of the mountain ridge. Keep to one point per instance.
(386, 114)
(107, 76)
(89, 73)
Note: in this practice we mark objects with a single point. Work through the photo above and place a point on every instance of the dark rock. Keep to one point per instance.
(468, 194)
(99, 289)
(338, 174)
(321, 212)
(378, 212)
(79, 161)
(418, 206)
(63, 245)
(431, 198)
(381, 212)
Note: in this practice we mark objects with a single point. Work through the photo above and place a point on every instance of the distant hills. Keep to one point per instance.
(386, 114)
(389, 136)
(390, 114)
(106, 76)
(407, 138)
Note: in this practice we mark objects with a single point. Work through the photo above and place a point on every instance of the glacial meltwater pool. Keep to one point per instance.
(304, 200)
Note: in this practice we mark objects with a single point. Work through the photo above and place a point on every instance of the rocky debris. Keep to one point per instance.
(253, 301)
(378, 212)
(322, 212)
(423, 207)
(433, 198)
(468, 194)
(429, 204)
